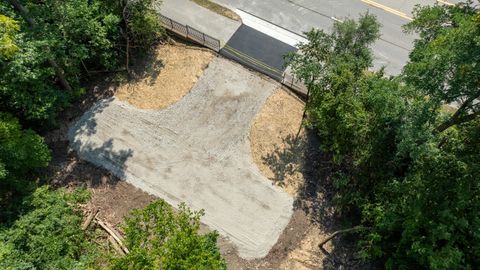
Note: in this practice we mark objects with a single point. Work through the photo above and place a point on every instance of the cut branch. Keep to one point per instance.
(115, 246)
(89, 219)
(110, 230)
(333, 235)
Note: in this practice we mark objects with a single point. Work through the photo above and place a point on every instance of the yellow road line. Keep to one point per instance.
(252, 60)
(445, 3)
(387, 9)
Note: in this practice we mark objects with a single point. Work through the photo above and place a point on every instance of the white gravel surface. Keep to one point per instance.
(196, 151)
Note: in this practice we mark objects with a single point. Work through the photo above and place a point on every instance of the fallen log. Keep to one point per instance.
(110, 230)
(115, 246)
(89, 219)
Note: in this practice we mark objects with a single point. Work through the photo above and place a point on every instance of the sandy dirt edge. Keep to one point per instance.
(167, 76)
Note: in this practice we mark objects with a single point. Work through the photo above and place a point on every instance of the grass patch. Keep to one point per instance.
(218, 9)
(448, 109)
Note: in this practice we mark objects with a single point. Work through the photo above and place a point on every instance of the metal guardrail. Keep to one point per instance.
(293, 83)
(214, 44)
(191, 33)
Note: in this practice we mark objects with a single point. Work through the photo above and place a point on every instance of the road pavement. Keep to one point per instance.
(258, 51)
(189, 13)
(302, 15)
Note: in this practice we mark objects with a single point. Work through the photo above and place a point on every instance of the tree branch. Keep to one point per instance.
(350, 230)
(457, 118)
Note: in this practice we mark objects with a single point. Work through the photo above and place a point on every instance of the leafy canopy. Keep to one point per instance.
(414, 188)
(8, 29)
(160, 238)
(47, 235)
(444, 63)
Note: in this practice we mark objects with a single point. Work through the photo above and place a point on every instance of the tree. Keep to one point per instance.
(411, 193)
(61, 42)
(429, 218)
(160, 238)
(444, 61)
(31, 22)
(21, 152)
(330, 62)
(48, 234)
(8, 30)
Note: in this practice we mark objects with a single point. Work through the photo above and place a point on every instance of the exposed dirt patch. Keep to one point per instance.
(219, 9)
(296, 247)
(280, 155)
(195, 152)
(169, 75)
(273, 130)
(114, 198)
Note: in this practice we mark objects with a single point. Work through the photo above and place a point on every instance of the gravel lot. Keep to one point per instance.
(195, 151)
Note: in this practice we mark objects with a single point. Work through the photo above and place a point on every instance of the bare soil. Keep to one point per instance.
(278, 153)
(169, 75)
(273, 129)
(219, 9)
(296, 247)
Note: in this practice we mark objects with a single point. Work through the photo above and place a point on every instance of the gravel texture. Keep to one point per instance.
(196, 151)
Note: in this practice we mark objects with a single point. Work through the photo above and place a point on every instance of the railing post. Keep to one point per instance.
(171, 24)
(203, 35)
(187, 30)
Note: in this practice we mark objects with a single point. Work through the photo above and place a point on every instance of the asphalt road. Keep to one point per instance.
(300, 16)
(258, 51)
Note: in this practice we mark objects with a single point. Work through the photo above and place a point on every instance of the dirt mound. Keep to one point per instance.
(168, 77)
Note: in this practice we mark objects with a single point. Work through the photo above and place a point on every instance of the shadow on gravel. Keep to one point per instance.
(76, 172)
(66, 168)
(316, 195)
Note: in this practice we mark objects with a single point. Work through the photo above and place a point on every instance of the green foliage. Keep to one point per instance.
(356, 113)
(8, 30)
(414, 187)
(160, 238)
(144, 26)
(329, 61)
(80, 35)
(21, 152)
(47, 236)
(444, 61)
(431, 215)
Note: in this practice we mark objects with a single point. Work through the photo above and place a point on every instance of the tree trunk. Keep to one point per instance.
(457, 118)
(455, 121)
(59, 72)
(304, 115)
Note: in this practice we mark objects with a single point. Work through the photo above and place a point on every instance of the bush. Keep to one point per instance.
(160, 238)
(47, 236)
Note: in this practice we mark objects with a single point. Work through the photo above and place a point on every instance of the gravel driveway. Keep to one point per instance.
(196, 151)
